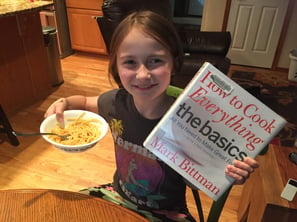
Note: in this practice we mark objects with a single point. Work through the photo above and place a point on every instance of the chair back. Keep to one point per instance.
(6, 128)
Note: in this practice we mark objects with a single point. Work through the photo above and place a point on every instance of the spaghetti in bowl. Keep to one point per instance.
(84, 128)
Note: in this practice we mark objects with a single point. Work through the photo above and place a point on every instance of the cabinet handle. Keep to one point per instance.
(95, 17)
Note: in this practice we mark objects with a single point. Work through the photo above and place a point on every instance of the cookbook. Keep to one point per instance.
(212, 122)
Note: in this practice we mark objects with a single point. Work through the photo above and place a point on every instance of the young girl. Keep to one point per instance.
(145, 51)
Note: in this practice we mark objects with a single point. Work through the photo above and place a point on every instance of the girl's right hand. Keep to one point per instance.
(58, 107)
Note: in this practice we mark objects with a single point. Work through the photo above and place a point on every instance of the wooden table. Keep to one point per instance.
(55, 205)
(260, 200)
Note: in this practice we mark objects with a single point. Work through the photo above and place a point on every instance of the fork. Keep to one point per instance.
(63, 137)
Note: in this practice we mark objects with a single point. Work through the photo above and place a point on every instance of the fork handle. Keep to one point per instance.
(31, 134)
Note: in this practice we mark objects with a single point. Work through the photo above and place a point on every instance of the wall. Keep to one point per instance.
(213, 16)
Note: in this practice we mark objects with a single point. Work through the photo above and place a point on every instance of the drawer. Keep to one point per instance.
(84, 4)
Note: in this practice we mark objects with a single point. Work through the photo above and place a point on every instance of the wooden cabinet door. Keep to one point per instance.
(84, 31)
(36, 56)
(15, 80)
(24, 71)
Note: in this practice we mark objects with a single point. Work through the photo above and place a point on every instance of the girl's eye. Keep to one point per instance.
(129, 62)
(155, 60)
(154, 63)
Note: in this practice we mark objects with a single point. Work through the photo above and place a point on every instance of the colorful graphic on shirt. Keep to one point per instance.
(132, 184)
(116, 127)
(140, 176)
(140, 173)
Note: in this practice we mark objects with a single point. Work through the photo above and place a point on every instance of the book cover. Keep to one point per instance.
(211, 123)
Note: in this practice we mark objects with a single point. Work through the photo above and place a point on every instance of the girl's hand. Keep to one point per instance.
(241, 170)
(58, 107)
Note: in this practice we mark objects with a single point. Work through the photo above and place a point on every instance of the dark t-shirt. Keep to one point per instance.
(140, 177)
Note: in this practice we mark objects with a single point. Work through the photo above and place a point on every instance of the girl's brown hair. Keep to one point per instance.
(156, 26)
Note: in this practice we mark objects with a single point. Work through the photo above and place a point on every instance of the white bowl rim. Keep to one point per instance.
(104, 129)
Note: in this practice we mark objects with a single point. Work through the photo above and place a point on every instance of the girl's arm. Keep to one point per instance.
(70, 103)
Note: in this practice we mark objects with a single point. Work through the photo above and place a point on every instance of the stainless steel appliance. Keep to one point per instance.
(51, 44)
(56, 16)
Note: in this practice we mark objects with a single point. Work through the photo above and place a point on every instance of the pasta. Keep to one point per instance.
(80, 131)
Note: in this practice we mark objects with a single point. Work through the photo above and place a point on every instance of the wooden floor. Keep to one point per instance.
(37, 164)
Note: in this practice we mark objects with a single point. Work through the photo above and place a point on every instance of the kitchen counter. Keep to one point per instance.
(11, 7)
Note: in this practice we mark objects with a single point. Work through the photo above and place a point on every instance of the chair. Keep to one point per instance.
(6, 128)
(217, 206)
(198, 46)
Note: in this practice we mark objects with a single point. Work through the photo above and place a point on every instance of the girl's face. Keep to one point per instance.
(144, 66)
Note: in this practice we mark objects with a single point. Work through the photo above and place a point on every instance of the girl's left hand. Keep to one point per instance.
(241, 170)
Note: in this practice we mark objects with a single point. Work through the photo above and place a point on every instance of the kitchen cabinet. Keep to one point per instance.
(24, 71)
(85, 34)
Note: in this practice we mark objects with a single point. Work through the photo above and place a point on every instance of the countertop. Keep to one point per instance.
(11, 7)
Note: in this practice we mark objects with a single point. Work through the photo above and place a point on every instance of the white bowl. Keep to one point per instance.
(50, 122)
